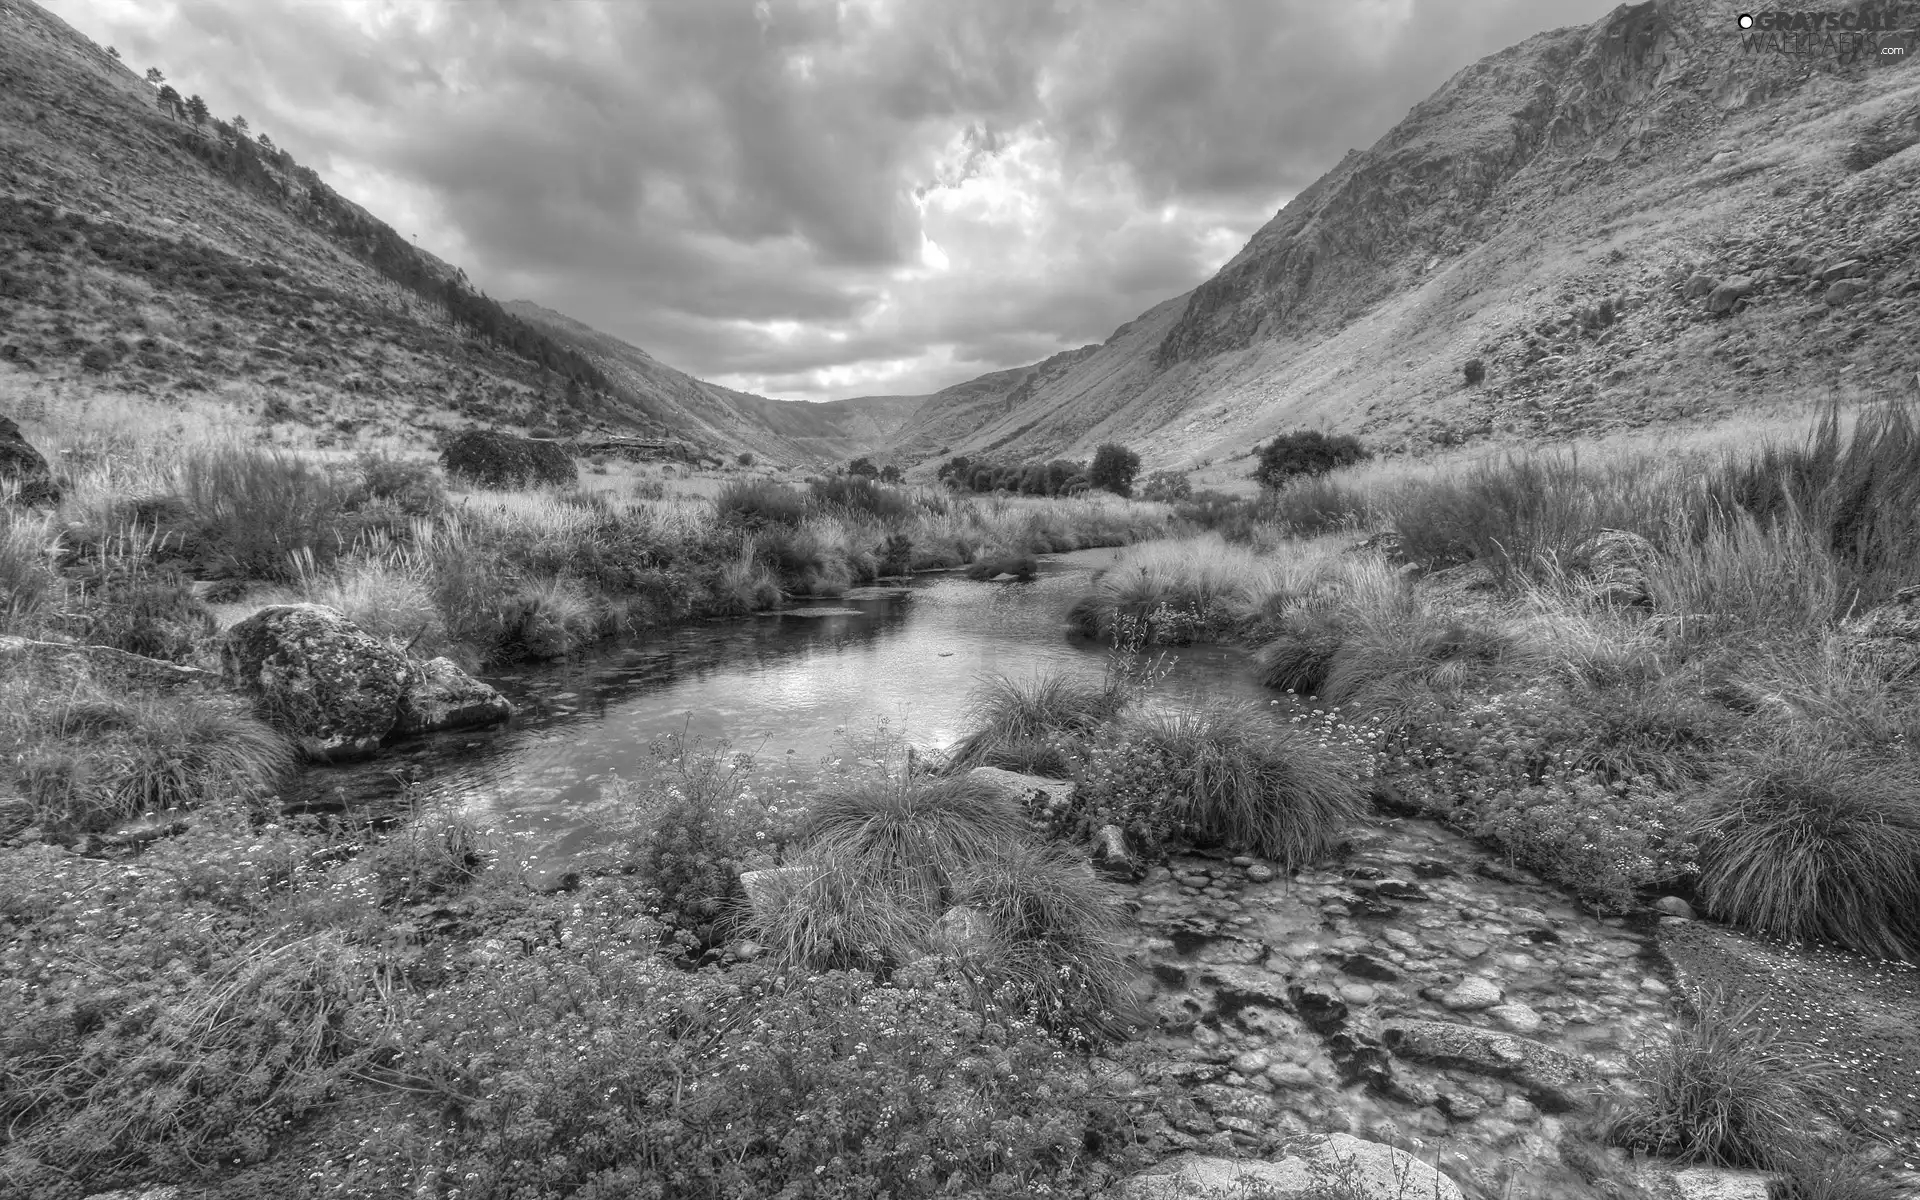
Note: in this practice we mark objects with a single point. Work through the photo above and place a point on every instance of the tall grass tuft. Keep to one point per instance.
(919, 835)
(756, 503)
(1722, 1090)
(1020, 724)
(27, 579)
(1819, 842)
(1053, 929)
(256, 508)
(1242, 780)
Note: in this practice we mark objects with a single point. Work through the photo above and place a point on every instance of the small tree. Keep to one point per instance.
(746, 456)
(1308, 452)
(169, 101)
(154, 76)
(197, 110)
(240, 126)
(266, 143)
(1114, 467)
(890, 474)
(1475, 371)
(959, 468)
(863, 466)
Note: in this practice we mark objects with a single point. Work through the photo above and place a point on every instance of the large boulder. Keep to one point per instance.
(492, 459)
(25, 467)
(328, 684)
(440, 696)
(1614, 564)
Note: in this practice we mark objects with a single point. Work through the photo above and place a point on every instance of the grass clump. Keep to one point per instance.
(1721, 1090)
(1032, 724)
(1218, 773)
(1818, 842)
(758, 503)
(921, 834)
(255, 508)
(1175, 592)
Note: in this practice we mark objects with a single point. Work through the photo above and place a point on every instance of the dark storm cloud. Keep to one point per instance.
(745, 189)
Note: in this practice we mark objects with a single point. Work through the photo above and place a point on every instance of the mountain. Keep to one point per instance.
(143, 252)
(1557, 211)
(778, 430)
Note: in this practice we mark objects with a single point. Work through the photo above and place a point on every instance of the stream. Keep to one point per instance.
(1417, 992)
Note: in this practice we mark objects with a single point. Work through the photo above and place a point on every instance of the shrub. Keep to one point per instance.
(745, 458)
(759, 503)
(1817, 842)
(862, 468)
(688, 829)
(1475, 372)
(1017, 721)
(860, 494)
(1722, 1089)
(1113, 469)
(1167, 487)
(1308, 452)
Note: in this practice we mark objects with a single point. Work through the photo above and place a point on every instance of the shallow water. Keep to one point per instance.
(790, 687)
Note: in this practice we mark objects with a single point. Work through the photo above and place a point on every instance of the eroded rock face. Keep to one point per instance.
(500, 460)
(331, 686)
(440, 696)
(22, 465)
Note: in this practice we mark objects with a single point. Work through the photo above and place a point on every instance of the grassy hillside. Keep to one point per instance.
(1544, 212)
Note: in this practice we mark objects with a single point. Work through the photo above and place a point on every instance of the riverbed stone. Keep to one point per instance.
(1517, 1017)
(1377, 1172)
(1552, 1077)
(1471, 994)
(1033, 791)
(1674, 906)
(329, 685)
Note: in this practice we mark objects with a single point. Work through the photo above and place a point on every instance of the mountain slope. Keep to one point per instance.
(779, 430)
(140, 252)
(1542, 211)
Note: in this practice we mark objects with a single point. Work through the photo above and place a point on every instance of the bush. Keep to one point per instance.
(1167, 487)
(1113, 469)
(860, 494)
(1308, 452)
(1817, 842)
(1475, 371)
(1722, 1090)
(745, 458)
(760, 503)
(1219, 773)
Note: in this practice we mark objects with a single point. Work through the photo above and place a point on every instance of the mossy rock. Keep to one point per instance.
(500, 460)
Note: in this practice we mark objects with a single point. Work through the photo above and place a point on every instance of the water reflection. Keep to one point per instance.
(776, 685)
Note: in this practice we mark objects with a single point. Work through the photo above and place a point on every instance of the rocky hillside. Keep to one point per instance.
(1625, 222)
(141, 252)
(779, 430)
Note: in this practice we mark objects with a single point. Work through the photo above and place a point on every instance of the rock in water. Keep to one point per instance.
(25, 467)
(500, 460)
(331, 686)
(440, 696)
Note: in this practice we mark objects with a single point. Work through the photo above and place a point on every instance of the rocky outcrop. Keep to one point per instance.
(488, 458)
(439, 696)
(25, 468)
(338, 691)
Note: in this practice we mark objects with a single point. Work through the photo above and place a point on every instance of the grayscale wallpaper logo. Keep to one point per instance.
(1882, 34)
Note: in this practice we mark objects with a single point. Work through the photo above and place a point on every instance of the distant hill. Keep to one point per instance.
(777, 430)
(144, 253)
(1543, 211)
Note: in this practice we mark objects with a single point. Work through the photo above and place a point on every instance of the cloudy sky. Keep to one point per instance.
(815, 199)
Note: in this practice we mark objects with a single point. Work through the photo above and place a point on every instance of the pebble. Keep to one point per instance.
(1290, 1075)
(1358, 993)
(1469, 947)
(1260, 872)
(1252, 1062)
(1242, 860)
(1674, 906)
(1654, 986)
(1401, 939)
